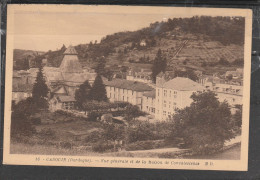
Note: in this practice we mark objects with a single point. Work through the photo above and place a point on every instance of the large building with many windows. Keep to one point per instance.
(126, 91)
(174, 94)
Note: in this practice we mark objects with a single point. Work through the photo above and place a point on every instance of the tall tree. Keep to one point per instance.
(82, 94)
(40, 91)
(205, 125)
(98, 90)
(159, 65)
(100, 68)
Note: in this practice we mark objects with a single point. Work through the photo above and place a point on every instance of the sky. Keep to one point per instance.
(48, 27)
(48, 30)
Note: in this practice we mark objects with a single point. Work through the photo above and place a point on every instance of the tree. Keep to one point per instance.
(237, 117)
(21, 124)
(205, 125)
(40, 91)
(159, 65)
(98, 90)
(100, 68)
(82, 94)
(132, 112)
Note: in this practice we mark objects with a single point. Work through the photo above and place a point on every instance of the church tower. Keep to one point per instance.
(70, 62)
(71, 70)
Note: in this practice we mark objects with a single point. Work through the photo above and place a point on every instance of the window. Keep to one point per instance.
(170, 93)
(165, 93)
(158, 92)
(175, 96)
(164, 113)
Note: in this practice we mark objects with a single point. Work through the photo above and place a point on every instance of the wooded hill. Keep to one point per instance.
(203, 41)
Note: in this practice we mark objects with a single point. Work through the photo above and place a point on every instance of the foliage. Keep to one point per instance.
(94, 136)
(113, 131)
(82, 94)
(159, 65)
(132, 112)
(21, 124)
(237, 117)
(204, 125)
(40, 91)
(92, 116)
(188, 73)
(141, 131)
(145, 145)
(102, 146)
(98, 90)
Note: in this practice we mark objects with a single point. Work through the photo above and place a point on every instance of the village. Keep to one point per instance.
(160, 100)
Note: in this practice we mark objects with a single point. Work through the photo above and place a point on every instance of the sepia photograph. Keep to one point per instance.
(127, 86)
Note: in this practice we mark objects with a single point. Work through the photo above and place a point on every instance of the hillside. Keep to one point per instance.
(200, 41)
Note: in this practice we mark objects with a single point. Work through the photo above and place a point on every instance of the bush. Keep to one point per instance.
(36, 121)
(47, 134)
(102, 146)
(94, 137)
(141, 131)
(145, 145)
(92, 116)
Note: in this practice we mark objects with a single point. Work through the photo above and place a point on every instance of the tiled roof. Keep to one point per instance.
(150, 94)
(183, 84)
(130, 85)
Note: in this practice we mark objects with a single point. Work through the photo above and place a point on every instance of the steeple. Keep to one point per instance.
(70, 62)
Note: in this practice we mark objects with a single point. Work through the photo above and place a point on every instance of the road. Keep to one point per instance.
(230, 154)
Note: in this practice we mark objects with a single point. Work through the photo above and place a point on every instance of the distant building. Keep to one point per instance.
(126, 91)
(143, 43)
(21, 92)
(142, 75)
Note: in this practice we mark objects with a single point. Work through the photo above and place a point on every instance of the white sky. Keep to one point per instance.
(48, 27)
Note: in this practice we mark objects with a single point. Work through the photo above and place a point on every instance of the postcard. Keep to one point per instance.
(127, 86)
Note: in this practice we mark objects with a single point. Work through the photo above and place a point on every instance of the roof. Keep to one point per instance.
(130, 85)
(150, 94)
(70, 50)
(70, 64)
(66, 98)
(22, 88)
(183, 84)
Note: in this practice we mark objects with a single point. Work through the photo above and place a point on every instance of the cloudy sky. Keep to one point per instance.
(48, 27)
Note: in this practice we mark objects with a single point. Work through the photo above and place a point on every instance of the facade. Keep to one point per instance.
(126, 91)
(62, 102)
(173, 94)
(231, 93)
(21, 92)
(148, 102)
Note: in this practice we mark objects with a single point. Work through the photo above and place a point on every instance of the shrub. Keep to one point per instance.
(141, 131)
(47, 133)
(36, 121)
(145, 145)
(92, 116)
(102, 146)
(94, 136)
